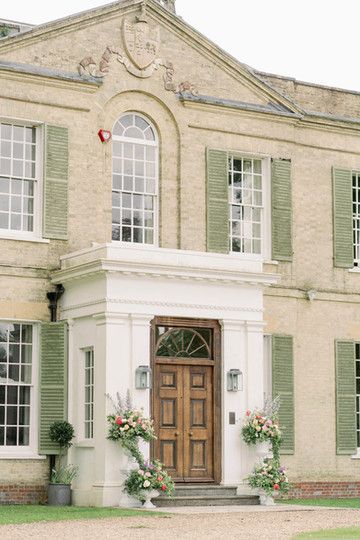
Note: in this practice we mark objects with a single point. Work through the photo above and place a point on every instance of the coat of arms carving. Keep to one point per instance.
(142, 42)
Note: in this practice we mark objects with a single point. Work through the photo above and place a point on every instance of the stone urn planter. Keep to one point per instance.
(266, 499)
(146, 495)
(59, 495)
(263, 450)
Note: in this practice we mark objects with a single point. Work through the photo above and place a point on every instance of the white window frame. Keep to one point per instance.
(30, 451)
(355, 216)
(85, 351)
(36, 234)
(155, 144)
(265, 254)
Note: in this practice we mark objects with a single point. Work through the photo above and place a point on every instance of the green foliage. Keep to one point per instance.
(259, 427)
(148, 477)
(263, 426)
(333, 503)
(269, 477)
(13, 514)
(4, 31)
(62, 433)
(352, 533)
(63, 475)
(127, 426)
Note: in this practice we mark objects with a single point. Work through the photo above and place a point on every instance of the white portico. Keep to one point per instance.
(113, 295)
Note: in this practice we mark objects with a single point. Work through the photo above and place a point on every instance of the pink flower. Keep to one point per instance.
(248, 413)
(118, 421)
(148, 474)
(276, 486)
(163, 487)
(141, 472)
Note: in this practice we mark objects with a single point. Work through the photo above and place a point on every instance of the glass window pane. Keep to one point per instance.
(2, 415)
(24, 436)
(24, 397)
(4, 185)
(13, 372)
(11, 416)
(12, 394)
(24, 416)
(14, 353)
(26, 374)
(11, 439)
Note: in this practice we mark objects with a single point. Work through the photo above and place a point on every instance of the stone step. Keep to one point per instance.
(226, 500)
(204, 490)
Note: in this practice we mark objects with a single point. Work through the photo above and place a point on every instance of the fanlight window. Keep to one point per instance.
(184, 343)
(135, 179)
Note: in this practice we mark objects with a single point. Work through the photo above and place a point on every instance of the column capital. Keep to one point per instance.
(111, 318)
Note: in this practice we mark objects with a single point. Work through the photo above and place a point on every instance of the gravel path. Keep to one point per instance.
(242, 525)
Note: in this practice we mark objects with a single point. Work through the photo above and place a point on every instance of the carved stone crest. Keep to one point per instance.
(142, 43)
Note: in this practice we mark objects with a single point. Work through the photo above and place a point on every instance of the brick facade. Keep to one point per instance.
(314, 145)
(22, 494)
(325, 490)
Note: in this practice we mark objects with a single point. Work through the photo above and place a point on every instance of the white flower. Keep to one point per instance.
(146, 484)
(126, 427)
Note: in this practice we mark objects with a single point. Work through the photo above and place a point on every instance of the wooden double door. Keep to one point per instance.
(185, 407)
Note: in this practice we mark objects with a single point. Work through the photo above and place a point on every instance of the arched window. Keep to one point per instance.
(135, 180)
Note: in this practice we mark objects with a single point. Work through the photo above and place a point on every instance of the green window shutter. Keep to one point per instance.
(53, 381)
(217, 215)
(342, 218)
(345, 397)
(55, 219)
(281, 210)
(283, 386)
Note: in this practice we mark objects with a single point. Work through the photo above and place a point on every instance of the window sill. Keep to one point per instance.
(355, 270)
(22, 455)
(20, 238)
(85, 444)
(357, 455)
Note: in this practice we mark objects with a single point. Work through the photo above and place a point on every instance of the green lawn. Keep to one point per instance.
(11, 514)
(351, 533)
(335, 503)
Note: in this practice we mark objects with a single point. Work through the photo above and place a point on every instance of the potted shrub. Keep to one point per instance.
(59, 490)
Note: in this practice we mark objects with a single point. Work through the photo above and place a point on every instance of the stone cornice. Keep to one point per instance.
(159, 263)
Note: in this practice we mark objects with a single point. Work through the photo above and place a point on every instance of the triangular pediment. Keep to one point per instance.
(189, 62)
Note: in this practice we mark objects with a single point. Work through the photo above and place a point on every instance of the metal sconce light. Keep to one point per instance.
(234, 380)
(143, 378)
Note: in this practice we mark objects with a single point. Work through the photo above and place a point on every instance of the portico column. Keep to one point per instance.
(112, 375)
(234, 357)
(140, 356)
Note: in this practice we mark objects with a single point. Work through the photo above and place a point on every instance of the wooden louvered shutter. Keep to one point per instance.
(53, 382)
(217, 202)
(55, 219)
(342, 218)
(283, 386)
(281, 210)
(345, 397)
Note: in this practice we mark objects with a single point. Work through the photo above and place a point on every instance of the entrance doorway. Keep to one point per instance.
(186, 398)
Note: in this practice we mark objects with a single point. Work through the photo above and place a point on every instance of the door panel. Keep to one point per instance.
(198, 423)
(168, 387)
(183, 412)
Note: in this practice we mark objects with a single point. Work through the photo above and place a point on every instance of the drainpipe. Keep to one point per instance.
(53, 298)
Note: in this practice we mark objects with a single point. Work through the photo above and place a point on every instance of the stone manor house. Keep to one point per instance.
(184, 214)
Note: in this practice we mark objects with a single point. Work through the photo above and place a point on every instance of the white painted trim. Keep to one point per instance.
(30, 451)
(156, 195)
(22, 238)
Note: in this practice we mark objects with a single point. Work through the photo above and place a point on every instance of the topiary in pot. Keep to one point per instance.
(59, 492)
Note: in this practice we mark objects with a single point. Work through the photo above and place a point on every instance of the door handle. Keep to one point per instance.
(191, 433)
(176, 433)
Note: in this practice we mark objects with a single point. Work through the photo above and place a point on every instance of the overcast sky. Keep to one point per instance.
(311, 40)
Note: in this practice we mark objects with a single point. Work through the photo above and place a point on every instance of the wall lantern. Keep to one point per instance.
(104, 135)
(143, 379)
(234, 380)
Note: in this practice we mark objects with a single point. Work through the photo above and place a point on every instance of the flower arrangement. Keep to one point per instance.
(128, 425)
(269, 477)
(148, 477)
(258, 427)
